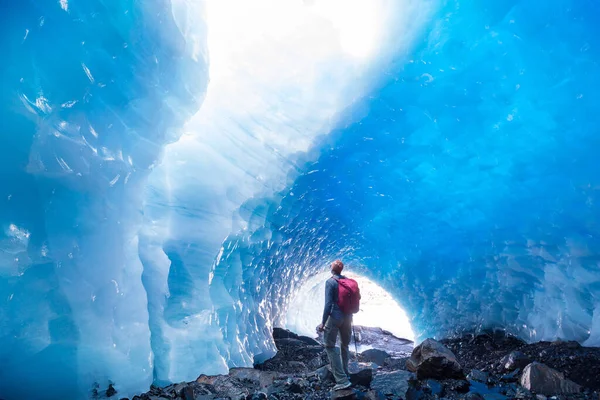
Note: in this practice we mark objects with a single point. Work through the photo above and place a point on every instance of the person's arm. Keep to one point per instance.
(329, 294)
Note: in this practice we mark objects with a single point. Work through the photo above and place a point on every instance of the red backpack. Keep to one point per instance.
(348, 295)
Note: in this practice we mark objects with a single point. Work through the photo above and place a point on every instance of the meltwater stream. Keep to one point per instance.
(173, 172)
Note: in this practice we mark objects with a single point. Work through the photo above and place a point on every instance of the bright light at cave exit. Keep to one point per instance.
(235, 25)
(377, 309)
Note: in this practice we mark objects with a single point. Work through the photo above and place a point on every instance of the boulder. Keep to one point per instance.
(308, 340)
(542, 379)
(280, 333)
(345, 394)
(392, 383)
(515, 360)
(431, 359)
(375, 355)
(477, 375)
(362, 377)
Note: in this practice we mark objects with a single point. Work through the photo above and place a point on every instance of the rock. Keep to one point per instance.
(374, 355)
(395, 383)
(345, 394)
(477, 375)
(362, 378)
(511, 377)
(259, 396)
(373, 395)
(431, 359)
(457, 385)
(308, 340)
(473, 396)
(542, 379)
(515, 360)
(261, 378)
(355, 367)
(110, 391)
(280, 333)
(187, 393)
(289, 342)
(433, 387)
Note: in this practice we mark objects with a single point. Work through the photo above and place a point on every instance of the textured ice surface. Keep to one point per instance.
(447, 150)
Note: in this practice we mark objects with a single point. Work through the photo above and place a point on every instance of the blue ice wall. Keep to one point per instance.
(91, 91)
(458, 168)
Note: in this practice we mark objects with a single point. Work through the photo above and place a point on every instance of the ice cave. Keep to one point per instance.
(173, 172)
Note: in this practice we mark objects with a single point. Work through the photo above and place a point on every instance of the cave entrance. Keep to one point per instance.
(377, 309)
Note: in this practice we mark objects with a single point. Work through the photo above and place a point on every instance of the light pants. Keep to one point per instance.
(339, 363)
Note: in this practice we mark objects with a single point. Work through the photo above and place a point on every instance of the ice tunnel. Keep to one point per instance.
(172, 172)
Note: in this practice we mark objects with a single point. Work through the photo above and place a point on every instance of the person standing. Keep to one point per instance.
(342, 298)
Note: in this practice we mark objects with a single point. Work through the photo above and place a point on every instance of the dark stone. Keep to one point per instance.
(375, 355)
(414, 394)
(474, 396)
(187, 393)
(457, 385)
(477, 375)
(110, 391)
(431, 359)
(345, 394)
(362, 378)
(511, 377)
(515, 360)
(258, 396)
(393, 383)
(289, 342)
(280, 333)
(308, 340)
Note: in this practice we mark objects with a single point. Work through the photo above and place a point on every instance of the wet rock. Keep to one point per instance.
(395, 383)
(514, 360)
(433, 387)
(362, 378)
(477, 375)
(542, 379)
(456, 385)
(374, 355)
(431, 359)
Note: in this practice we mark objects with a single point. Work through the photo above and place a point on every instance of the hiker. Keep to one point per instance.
(341, 301)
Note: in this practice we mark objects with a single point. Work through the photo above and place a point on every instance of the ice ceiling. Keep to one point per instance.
(172, 172)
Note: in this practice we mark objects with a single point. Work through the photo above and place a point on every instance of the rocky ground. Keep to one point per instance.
(488, 366)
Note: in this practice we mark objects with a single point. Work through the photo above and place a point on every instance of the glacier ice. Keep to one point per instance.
(155, 225)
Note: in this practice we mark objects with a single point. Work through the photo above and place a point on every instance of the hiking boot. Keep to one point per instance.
(342, 386)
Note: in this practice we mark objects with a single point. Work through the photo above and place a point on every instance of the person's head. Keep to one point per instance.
(336, 267)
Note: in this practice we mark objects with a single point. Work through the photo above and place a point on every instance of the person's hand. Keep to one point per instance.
(320, 328)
